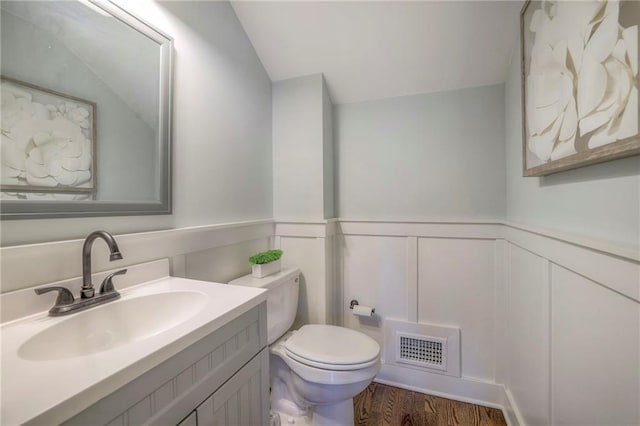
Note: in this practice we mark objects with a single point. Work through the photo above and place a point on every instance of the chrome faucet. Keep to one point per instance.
(87, 287)
(65, 302)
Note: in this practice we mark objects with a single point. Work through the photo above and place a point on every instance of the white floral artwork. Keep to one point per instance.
(581, 80)
(47, 142)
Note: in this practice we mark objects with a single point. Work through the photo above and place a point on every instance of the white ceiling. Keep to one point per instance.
(379, 49)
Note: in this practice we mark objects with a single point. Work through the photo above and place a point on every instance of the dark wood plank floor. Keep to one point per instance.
(387, 405)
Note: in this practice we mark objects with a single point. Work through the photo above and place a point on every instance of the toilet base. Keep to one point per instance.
(288, 419)
(339, 414)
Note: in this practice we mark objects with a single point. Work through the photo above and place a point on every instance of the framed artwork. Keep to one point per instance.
(48, 143)
(579, 83)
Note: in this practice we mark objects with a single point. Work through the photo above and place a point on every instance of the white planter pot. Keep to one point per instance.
(261, 271)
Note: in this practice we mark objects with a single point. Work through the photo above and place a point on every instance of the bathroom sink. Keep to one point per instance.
(112, 325)
(85, 356)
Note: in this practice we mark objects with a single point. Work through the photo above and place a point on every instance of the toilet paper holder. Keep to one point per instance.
(354, 302)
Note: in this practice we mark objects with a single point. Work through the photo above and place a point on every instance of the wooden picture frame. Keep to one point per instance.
(48, 143)
(566, 59)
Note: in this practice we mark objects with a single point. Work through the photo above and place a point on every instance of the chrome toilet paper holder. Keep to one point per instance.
(354, 302)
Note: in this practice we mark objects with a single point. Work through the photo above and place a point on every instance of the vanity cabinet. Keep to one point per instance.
(222, 379)
(238, 401)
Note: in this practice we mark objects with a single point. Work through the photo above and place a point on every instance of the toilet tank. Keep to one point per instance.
(282, 299)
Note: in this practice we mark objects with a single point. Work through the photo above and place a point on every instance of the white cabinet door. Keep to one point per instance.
(243, 399)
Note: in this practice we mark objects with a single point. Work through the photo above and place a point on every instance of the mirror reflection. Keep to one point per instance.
(85, 110)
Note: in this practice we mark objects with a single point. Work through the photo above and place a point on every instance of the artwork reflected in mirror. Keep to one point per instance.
(579, 83)
(47, 144)
(86, 111)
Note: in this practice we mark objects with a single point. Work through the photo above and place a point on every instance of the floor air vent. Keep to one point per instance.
(428, 347)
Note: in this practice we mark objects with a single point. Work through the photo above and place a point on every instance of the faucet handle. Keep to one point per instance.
(65, 297)
(107, 284)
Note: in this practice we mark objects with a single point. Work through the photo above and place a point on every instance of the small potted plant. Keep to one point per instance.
(265, 263)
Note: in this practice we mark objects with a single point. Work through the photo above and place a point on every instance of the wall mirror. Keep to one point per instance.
(86, 111)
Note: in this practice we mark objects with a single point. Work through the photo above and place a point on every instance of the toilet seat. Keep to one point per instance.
(332, 348)
(324, 376)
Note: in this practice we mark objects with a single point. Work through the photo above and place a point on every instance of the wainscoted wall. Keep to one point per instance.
(573, 335)
(61, 260)
(442, 274)
(223, 264)
(310, 247)
(550, 325)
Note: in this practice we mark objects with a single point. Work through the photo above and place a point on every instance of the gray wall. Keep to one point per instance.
(600, 201)
(298, 146)
(424, 157)
(222, 129)
(327, 153)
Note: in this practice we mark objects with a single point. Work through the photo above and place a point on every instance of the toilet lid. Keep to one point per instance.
(331, 347)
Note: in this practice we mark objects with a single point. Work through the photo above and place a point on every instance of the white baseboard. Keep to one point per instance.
(463, 389)
(510, 410)
(466, 390)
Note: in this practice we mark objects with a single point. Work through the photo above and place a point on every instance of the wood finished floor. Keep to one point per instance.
(380, 405)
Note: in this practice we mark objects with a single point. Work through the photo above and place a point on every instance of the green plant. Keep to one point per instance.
(265, 257)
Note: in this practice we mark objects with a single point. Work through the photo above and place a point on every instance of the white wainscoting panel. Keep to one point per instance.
(375, 274)
(595, 353)
(223, 264)
(529, 334)
(501, 318)
(331, 291)
(456, 287)
(305, 229)
(34, 264)
(617, 273)
(308, 254)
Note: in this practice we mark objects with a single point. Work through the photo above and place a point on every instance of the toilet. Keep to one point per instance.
(315, 370)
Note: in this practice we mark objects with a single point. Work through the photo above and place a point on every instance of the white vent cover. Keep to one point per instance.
(423, 351)
(427, 347)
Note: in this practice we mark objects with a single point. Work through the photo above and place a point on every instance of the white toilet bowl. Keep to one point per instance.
(317, 370)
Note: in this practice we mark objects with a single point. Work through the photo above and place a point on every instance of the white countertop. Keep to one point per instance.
(51, 392)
